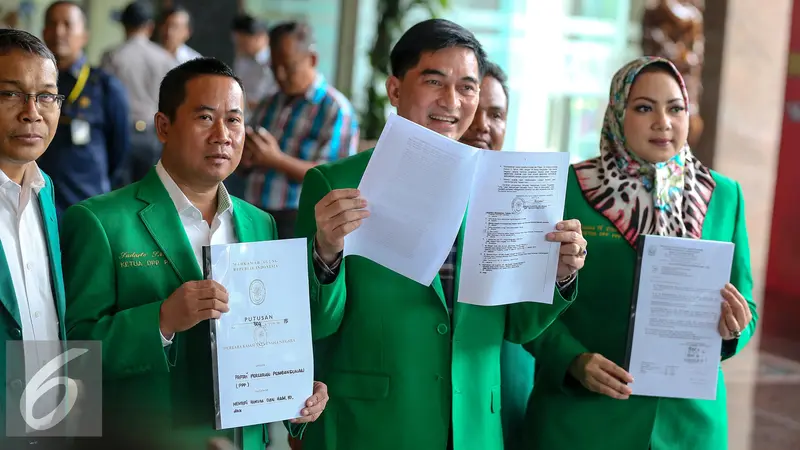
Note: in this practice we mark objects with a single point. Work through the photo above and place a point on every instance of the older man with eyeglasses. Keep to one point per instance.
(31, 284)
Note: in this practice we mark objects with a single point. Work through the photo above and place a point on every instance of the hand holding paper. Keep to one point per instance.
(338, 214)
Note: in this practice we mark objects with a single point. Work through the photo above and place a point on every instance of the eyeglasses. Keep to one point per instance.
(44, 100)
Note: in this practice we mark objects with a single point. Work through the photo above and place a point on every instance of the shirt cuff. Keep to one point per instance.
(325, 273)
(164, 341)
(563, 285)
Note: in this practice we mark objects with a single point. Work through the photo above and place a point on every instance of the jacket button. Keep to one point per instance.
(16, 385)
(16, 332)
(441, 328)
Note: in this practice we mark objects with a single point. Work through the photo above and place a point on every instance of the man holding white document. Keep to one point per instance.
(135, 277)
(409, 366)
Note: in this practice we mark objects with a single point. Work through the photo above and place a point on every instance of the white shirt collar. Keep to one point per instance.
(182, 203)
(32, 178)
(32, 183)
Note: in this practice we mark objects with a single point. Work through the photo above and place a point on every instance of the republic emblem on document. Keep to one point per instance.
(258, 292)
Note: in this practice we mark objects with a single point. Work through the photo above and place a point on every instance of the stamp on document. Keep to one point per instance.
(258, 292)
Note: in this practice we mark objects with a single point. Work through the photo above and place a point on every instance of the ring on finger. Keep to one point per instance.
(736, 334)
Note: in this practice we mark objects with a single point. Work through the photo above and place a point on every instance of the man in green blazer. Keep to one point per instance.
(408, 367)
(31, 286)
(488, 131)
(133, 269)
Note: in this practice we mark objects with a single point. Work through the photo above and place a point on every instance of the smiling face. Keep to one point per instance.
(440, 93)
(26, 128)
(204, 142)
(488, 128)
(656, 121)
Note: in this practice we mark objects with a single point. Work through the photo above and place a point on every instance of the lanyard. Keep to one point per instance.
(79, 85)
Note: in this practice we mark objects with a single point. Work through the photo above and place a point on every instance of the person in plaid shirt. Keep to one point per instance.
(307, 123)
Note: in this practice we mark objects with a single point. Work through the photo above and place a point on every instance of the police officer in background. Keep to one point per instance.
(92, 137)
(141, 65)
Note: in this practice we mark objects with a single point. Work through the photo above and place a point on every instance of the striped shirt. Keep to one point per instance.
(319, 127)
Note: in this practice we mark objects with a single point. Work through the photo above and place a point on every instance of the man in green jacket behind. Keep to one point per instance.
(133, 270)
(408, 367)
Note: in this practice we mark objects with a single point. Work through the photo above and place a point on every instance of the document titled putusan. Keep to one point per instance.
(262, 354)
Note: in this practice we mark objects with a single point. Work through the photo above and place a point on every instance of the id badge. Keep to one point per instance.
(81, 132)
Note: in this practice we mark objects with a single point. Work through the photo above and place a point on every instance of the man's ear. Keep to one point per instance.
(162, 126)
(393, 90)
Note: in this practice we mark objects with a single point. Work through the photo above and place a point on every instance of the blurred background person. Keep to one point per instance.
(141, 65)
(92, 139)
(175, 28)
(252, 61)
(306, 123)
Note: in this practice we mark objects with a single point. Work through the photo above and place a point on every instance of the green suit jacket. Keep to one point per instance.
(396, 373)
(10, 322)
(125, 253)
(563, 414)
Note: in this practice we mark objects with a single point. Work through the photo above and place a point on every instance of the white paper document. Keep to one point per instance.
(517, 198)
(417, 185)
(674, 343)
(263, 359)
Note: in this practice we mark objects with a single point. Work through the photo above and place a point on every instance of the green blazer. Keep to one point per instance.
(395, 371)
(516, 381)
(10, 322)
(563, 414)
(125, 252)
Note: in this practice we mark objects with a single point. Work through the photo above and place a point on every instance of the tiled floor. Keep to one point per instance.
(776, 405)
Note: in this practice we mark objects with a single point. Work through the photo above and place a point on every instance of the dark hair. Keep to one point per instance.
(172, 92)
(429, 36)
(65, 2)
(12, 39)
(176, 9)
(301, 32)
(494, 71)
(247, 24)
(136, 15)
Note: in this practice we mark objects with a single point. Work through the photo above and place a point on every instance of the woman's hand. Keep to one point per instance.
(735, 315)
(600, 375)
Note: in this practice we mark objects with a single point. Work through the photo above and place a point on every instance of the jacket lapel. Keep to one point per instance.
(458, 310)
(7, 295)
(437, 281)
(50, 222)
(243, 224)
(163, 223)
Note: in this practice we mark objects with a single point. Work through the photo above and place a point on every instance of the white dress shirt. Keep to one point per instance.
(25, 247)
(186, 53)
(197, 230)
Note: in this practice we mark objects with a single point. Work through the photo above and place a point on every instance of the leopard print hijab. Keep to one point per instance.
(668, 199)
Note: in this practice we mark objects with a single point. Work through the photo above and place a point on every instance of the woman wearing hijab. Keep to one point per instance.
(645, 181)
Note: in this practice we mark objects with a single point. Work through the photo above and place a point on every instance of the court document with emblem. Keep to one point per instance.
(517, 198)
(263, 362)
(418, 185)
(674, 343)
